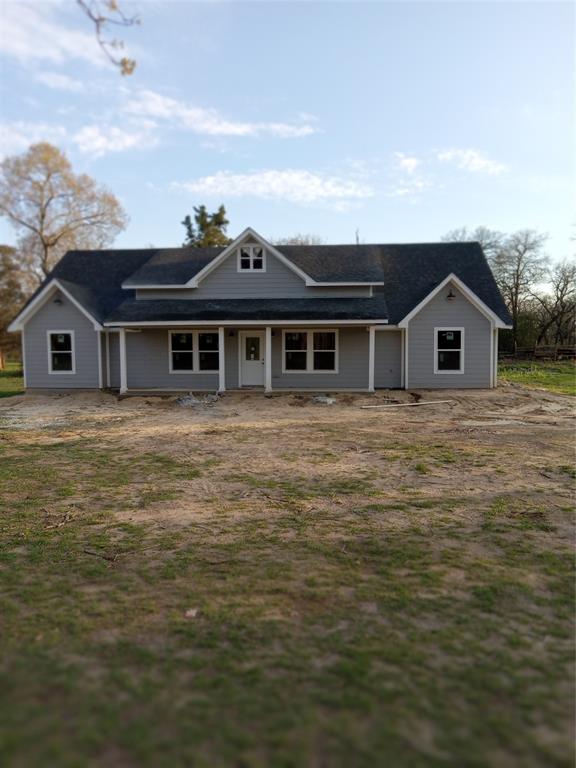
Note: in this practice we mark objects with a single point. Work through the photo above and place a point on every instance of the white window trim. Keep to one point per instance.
(310, 350)
(251, 248)
(195, 352)
(50, 333)
(461, 350)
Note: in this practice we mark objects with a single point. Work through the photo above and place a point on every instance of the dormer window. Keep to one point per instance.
(251, 258)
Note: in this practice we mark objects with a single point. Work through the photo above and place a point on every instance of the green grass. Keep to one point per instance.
(376, 634)
(11, 380)
(556, 377)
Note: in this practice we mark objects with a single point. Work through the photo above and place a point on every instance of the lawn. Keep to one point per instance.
(11, 381)
(555, 376)
(284, 588)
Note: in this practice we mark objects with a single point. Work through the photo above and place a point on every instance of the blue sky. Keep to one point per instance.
(402, 120)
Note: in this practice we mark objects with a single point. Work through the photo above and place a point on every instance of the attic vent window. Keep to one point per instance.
(251, 258)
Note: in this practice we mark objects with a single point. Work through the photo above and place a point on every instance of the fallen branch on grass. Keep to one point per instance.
(109, 558)
(408, 405)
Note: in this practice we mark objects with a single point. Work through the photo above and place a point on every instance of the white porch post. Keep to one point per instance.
(406, 360)
(268, 360)
(100, 376)
(495, 358)
(221, 361)
(371, 356)
(123, 369)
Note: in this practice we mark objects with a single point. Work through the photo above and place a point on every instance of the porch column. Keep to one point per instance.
(123, 369)
(371, 356)
(268, 360)
(221, 361)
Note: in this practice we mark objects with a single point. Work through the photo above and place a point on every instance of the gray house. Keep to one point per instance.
(329, 317)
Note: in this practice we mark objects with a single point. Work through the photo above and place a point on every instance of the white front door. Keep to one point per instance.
(252, 358)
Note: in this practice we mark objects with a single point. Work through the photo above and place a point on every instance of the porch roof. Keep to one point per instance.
(183, 310)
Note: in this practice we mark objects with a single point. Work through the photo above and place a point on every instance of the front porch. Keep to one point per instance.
(266, 357)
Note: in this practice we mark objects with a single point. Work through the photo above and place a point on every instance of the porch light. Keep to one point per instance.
(451, 295)
(231, 334)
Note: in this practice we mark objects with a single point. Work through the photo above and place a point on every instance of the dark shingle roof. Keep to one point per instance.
(172, 266)
(409, 273)
(178, 310)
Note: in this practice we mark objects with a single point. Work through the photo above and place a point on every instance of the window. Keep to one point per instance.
(449, 350)
(182, 352)
(61, 357)
(310, 352)
(208, 355)
(194, 351)
(251, 258)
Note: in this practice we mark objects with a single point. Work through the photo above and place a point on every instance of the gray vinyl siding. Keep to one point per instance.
(353, 365)
(278, 281)
(60, 317)
(114, 342)
(231, 368)
(388, 360)
(458, 313)
(148, 360)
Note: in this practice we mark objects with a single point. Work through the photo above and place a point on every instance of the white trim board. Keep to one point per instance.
(54, 332)
(195, 351)
(468, 293)
(310, 370)
(38, 302)
(461, 349)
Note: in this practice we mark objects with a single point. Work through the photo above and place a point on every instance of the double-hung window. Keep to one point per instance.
(251, 258)
(310, 351)
(61, 357)
(194, 351)
(449, 350)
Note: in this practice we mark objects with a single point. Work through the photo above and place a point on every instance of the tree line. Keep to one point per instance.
(540, 295)
(53, 210)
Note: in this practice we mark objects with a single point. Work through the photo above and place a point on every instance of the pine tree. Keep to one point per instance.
(207, 229)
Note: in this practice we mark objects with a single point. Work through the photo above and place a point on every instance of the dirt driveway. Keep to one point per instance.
(508, 441)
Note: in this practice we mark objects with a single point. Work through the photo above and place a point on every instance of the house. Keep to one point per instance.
(319, 317)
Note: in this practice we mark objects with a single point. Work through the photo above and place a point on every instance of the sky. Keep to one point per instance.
(390, 121)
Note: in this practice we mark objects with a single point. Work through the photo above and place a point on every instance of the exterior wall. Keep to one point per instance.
(148, 360)
(60, 317)
(352, 365)
(388, 360)
(278, 281)
(114, 354)
(231, 348)
(477, 343)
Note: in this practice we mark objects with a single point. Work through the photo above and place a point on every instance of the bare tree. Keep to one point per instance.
(298, 239)
(104, 14)
(53, 210)
(491, 240)
(557, 309)
(518, 267)
(518, 262)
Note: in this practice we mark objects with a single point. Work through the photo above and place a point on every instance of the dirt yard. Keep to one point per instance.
(267, 581)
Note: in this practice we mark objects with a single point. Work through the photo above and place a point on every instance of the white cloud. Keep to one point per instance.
(409, 188)
(406, 162)
(471, 160)
(59, 82)
(292, 185)
(208, 121)
(29, 33)
(17, 136)
(100, 140)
